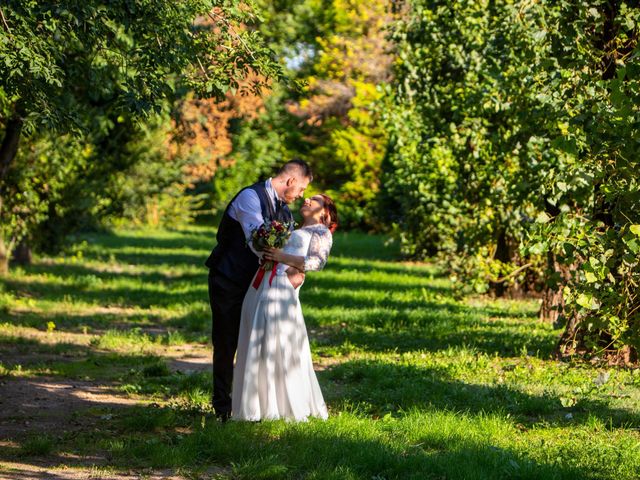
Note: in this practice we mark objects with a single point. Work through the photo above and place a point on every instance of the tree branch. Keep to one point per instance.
(4, 21)
(512, 274)
(202, 68)
(233, 31)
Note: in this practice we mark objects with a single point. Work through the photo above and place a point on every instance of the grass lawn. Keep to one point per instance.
(105, 370)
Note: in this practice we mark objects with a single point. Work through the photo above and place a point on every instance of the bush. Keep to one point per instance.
(510, 155)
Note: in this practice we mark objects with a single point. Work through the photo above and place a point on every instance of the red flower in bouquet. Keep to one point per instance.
(271, 234)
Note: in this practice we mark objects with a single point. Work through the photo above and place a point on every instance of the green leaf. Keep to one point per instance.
(587, 301)
(538, 248)
(632, 243)
(543, 217)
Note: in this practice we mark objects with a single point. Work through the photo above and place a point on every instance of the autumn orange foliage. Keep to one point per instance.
(201, 130)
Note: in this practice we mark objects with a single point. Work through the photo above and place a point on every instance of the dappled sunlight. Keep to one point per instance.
(381, 385)
(416, 375)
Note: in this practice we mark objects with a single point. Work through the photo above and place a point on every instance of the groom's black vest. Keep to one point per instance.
(232, 257)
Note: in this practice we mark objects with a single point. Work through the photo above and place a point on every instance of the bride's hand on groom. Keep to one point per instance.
(296, 277)
(272, 254)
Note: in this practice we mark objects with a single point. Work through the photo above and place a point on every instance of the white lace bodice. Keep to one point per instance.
(313, 243)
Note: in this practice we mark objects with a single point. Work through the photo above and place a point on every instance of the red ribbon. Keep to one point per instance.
(260, 275)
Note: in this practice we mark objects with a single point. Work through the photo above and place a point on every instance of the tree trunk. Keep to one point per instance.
(569, 340)
(556, 277)
(9, 146)
(4, 257)
(22, 253)
(8, 150)
(552, 305)
(505, 255)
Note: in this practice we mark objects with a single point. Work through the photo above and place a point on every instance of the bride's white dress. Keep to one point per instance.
(273, 375)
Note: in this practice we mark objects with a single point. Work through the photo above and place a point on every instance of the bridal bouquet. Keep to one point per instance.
(271, 234)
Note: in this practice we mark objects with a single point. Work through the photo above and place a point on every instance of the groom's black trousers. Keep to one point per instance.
(226, 299)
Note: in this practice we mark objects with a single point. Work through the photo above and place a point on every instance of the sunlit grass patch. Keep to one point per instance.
(137, 340)
(416, 445)
(133, 340)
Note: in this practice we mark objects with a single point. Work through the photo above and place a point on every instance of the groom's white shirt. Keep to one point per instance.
(246, 210)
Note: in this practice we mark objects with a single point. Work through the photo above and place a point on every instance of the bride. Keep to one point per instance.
(273, 375)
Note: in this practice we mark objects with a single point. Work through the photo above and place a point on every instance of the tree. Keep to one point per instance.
(338, 51)
(513, 138)
(71, 67)
(340, 107)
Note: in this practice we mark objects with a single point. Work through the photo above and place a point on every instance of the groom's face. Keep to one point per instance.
(296, 186)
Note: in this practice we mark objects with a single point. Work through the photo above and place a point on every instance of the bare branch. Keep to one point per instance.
(202, 68)
(233, 31)
(512, 274)
(4, 20)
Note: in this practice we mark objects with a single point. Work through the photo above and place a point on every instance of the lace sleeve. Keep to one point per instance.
(319, 248)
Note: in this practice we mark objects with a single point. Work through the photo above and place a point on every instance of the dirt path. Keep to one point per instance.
(42, 405)
(33, 407)
(33, 471)
(59, 407)
(56, 407)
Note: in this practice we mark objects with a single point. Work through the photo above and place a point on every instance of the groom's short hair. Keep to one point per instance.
(296, 165)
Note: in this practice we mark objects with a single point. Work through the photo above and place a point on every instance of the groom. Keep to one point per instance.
(233, 263)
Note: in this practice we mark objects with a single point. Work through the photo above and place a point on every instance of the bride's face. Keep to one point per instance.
(313, 208)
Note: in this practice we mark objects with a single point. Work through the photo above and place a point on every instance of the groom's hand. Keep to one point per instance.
(296, 277)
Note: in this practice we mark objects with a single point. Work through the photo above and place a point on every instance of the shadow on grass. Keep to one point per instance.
(93, 286)
(77, 271)
(378, 322)
(340, 448)
(160, 259)
(379, 388)
(441, 335)
(189, 323)
(26, 346)
(346, 244)
(198, 240)
(80, 363)
(363, 284)
(134, 296)
(366, 265)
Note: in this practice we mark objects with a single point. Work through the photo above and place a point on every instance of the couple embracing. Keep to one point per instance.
(260, 315)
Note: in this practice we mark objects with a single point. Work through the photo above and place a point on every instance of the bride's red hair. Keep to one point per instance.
(330, 212)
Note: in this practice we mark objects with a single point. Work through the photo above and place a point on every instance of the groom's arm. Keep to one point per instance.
(246, 210)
